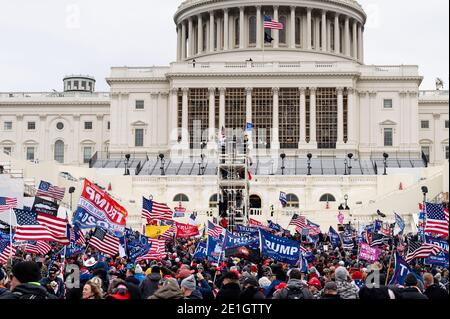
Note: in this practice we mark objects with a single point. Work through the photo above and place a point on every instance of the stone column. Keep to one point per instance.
(364, 120)
(190, 38)
(218, 33)
(317, 34)
(347, 36)
(340, 115)
(211, 31)
(183, 40)
(226, 36)
(351, 139)
(179, 40)
(173, 116)
(212, 117)
(312, 116)
(302, 128)
(328, 35)
(324, 30)
(308, 28)
(276, 33)
(292, 27)
(355, 40)
(337, 35)
(241, 28)
(259, 30)
(275, 143)
(414, 113)
(360, 46)
(373, 124)
(200, 34)
(185, 126)
(222, 108)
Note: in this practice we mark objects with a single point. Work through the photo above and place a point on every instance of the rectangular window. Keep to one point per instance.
(446, 152)
(109, 125)
(7, 126)
(426, 151)
(30, 153)
(88, 125)
(424, 124)
(83, 85)
(139, 137)
(387, 103)
(87, 154)
(388, 137)
(446, 125)
(31, 126)
(7, 150)
(75, 85)
(139, 105)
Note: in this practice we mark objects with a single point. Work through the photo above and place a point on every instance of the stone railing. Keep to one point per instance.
(46, 95)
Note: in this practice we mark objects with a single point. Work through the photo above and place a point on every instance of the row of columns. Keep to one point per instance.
(275, 143)
(186, 33)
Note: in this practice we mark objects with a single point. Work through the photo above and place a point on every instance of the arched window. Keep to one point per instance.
(252, 31)
(282, 33)
(255, 201)
(237, 31)
(297, 31)
(292, 201)
(181, 198)
(327, 198)
(213, 201)
(59, 151)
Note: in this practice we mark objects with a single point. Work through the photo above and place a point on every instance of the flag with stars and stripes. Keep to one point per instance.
(421, 250)
(38, 247)
(299, 221)
(157, 250)
(48, 190)
(436, 220)
(215, 230)
(6, 251)
(379, 239)
(7, 203)
(104, 242)
(152, 210)
(269, 23)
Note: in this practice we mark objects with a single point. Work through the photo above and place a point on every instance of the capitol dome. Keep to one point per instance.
(209, 29)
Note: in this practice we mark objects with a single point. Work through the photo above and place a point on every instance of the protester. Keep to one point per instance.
(330, 291)
(315, 287)
(251, 290)
(411, 290)
(346, 287)
(230, 289)
(432, 289)
(92, 290)
(53, 283)
(4, 292)
(150, 284)
(168, 289)
(295, 288)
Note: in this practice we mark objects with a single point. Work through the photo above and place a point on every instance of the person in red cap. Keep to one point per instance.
(314, 286)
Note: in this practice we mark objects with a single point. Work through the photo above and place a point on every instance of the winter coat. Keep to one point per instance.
(293, 285)
(6, 294)
(436, 292)
(170, 290)
(331, 297)
(347, 290)
(252, 293)
(205, 290)
(381, 293)
(149, 285)
(271, 289)
(45, 282)
(140, 277)
(230, 291)
(29, 291)
(195, 295)
(411, 293)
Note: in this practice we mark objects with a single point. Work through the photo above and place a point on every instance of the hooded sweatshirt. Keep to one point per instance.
(346, 289)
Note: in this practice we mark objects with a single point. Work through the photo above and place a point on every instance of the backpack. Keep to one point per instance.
(295, 293)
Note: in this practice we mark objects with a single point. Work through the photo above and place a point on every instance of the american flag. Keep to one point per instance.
(299, 221)
(7, 203)
(29, 228)
(155, 211)
(105, 242)
(214, 230)
(6, 250)
(76, 236)
(421, 250)
(313, 229)
(168, 235)
(269, 23)
(157, 250)
(38, 247)
(48, 190)
(437, 219)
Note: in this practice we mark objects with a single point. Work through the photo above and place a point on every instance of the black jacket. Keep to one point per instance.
(411, 293)
(29, 291)
(252, 293)
(195, 295)
(230, 291)
(435, 292)
(149, 285)
(6, 294)
(380, 293)
(331, 297)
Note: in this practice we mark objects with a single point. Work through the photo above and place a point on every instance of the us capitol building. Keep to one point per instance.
(244, 113)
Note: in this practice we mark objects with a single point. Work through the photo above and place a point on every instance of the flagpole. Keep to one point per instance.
(10, 234)
(389, 267)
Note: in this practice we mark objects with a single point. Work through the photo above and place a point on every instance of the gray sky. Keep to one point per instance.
(43, 40)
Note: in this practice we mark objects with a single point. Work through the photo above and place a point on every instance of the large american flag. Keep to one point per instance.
(157, 250)
(269, 23)
(214, 230)
(32, 226)
(105, 242)
(48, 190)
(168, 235)
(7, 203)
(299, 221)
(38, 247)
(155, 211)
(6, 251)
(437, 219)
(76, 236)
(421, 250)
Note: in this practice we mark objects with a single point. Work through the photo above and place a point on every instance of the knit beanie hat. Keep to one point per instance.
(189, 283)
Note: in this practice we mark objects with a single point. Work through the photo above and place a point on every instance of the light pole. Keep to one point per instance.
(350, 155)
(71, 191)
(385, 155)
(309, 156)
(424, 192)
(127, 160)
(161, 157)
(283, 156)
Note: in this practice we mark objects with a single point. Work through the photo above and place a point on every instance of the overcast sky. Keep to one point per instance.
(44, 40)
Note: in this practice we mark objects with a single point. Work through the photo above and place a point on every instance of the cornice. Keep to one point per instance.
(264, 74)
(54, 103)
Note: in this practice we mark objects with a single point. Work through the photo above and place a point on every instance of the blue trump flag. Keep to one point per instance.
(200, 251)
(274, 226)
(401, 270)
(279, 248)
(247, 231)
(214, 249)
(334, 238)
(232, 241)
(441, 258)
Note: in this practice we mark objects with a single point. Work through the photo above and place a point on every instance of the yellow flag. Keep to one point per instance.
(153, 231)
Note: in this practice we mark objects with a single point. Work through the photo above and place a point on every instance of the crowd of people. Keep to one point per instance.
(331, 274)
